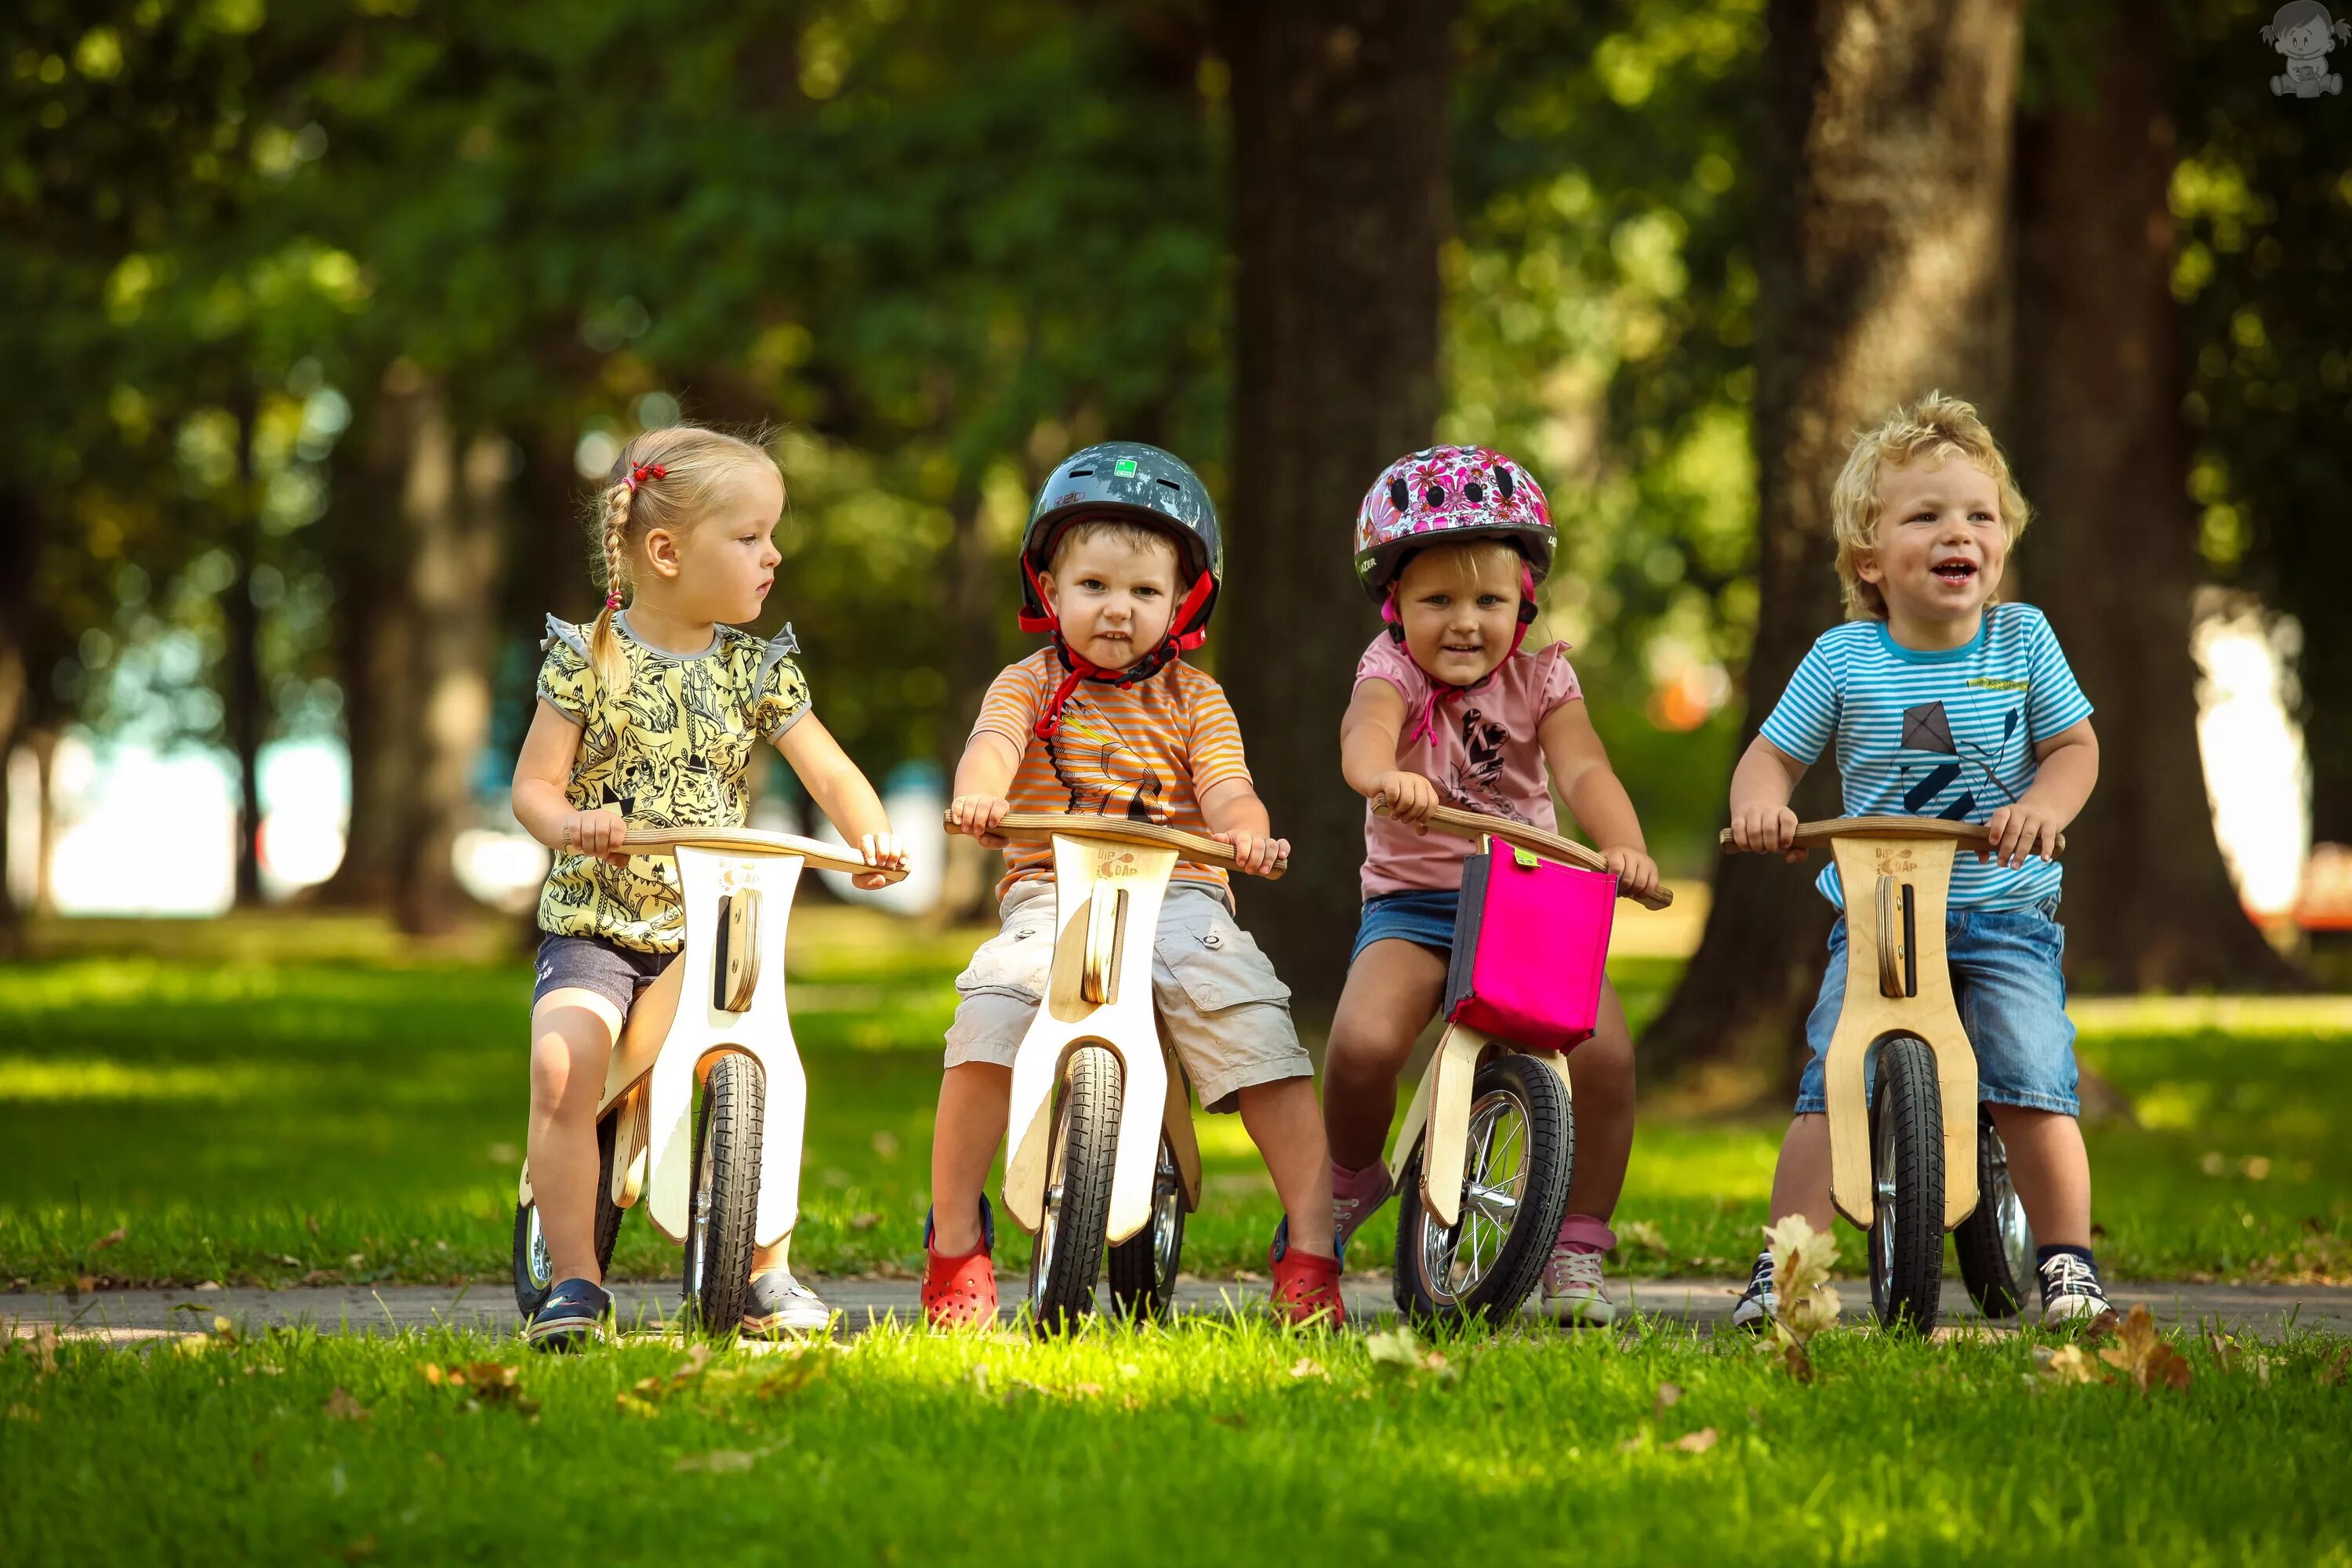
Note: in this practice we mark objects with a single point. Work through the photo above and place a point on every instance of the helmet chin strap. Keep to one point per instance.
(1439, 690)
(1079, 667)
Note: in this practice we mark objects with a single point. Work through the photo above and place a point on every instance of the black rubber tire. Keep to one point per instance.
(1906, 1149)
(1548, 1161)
(1084, 1151)
(727, 1131)
(1142, 1271)
(2000, 1281)
(530, 1292)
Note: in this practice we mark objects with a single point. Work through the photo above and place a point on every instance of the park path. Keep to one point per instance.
(130, 1315)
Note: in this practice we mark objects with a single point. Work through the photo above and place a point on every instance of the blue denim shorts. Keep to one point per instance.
(2012, 1003)
(1423, 915)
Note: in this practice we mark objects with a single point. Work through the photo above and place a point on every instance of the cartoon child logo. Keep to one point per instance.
(2304, 32)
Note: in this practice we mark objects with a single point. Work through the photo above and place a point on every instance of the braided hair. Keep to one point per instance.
(663, 478)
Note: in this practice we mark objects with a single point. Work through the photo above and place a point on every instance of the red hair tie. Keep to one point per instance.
(613, 600)
(642, 472)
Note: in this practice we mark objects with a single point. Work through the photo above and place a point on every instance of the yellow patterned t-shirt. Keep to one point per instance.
(669, 752)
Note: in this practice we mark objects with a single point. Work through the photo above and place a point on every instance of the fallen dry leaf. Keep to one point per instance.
(2145, 1355)
(2067, 1364)
(802, 1368)
(111, 1238)
(1086, 1390)
(1234, 1418)
(1697, 1442)
(864, 1220)
(1642, 1234)
(41, 1341)
(1305, 1367)
(2333, 1372)
(1669, 1396)
(1802, 1260)
(359, 1551)
(630, 1404)
(342, 1406)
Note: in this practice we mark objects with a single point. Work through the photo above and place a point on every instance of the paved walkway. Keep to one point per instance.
(128, 1316)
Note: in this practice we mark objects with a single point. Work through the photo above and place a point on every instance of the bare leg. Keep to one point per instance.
(571, 1034)
(1284, 1123)
(1601, 1072)
(975, 1097)
(1801, 1182)
(2051, 1171)
(1393, 988)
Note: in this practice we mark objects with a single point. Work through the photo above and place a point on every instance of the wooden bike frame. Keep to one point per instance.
(1111, 879)
(1441, 1105)
(724, 991)
(1896, 872)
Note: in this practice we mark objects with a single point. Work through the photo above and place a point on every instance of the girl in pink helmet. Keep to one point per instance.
(1450, 708)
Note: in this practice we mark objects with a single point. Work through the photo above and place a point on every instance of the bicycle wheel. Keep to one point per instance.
(1522, 1149)
(1079, 1162)
(1906, 1173)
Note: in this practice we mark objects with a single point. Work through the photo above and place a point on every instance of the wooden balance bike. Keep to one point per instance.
(1481, 1163)
(1100, 1152)
(1914, 1154)
(715, 1019)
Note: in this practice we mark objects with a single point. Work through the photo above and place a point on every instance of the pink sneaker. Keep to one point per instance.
(1356, 1196)
(1574, 1294)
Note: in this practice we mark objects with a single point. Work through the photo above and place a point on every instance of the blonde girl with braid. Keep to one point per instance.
(647, 719)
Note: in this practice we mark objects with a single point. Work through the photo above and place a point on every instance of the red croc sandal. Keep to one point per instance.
(1306, 1288)
(960, 1292)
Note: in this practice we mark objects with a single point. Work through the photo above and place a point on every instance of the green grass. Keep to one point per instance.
(249, 1119)
(1216, 1443)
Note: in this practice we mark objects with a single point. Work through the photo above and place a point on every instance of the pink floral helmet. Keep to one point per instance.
(1448, 495)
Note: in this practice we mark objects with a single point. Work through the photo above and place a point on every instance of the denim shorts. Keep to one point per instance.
(2012, 1003)
(1423, 915)
(616, 974)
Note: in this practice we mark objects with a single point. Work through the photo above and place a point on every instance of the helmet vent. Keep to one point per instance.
(1082, 473)
(1474, 492)
(1434, 495)
(1503, 480)
(1171, 484)
(1399, 496)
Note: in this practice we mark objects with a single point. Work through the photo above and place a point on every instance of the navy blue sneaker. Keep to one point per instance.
(575, 1313)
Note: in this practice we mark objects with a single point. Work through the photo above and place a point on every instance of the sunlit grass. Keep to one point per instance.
(1220, 1441)
(347, 1120)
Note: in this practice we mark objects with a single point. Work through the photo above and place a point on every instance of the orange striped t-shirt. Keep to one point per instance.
(1146, 752)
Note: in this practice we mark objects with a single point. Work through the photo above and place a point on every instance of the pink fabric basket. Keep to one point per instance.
(1530, 940)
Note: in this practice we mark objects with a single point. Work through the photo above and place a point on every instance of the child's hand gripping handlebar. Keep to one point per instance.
(1811, 835)
(1035, 826)
(756, 841)
(1476, 825)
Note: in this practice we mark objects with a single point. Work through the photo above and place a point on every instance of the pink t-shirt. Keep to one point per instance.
(1481, 755)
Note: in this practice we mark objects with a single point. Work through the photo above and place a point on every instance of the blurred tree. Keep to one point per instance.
(2103, 452)
(1340, 204)
(1884, 175)
(2263, 194)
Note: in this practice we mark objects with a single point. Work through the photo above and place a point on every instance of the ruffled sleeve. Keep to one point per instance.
(781, 693)
(565, 680)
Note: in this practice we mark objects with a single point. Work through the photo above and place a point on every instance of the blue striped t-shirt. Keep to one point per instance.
(1948, 734)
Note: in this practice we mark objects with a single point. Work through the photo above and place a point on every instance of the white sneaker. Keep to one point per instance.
(2070, 1291)
(1574, 1294)
(781, 1304)
(1759, 1302)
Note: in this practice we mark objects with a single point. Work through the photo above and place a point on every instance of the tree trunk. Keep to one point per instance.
(244, 695)
(1885, 166)
(450, 508)
(20, 519)
(2103, 452)
(374, 640)
(1340, 204)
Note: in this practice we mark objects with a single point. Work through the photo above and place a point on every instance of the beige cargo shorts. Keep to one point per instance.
(1220, 1004)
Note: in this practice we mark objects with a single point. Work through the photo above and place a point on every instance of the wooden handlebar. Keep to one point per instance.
(1811, 835)
(755, 841)
(1037, 824)
(1476, 825)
